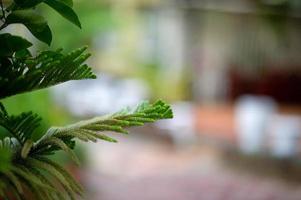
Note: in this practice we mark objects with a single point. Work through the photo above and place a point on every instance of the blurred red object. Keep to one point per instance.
(282, 85)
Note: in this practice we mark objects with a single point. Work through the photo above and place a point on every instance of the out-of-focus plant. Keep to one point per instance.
(277, 12)
(26, 172)
(96, 17)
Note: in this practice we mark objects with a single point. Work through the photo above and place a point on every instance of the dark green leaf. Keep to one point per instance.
(64, 10)
(67, 2)
(22, 54)
(35, 23)
(10, 44)
(27, 3)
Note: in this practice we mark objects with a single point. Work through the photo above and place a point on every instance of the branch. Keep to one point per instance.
(92, 130)
(27, 73)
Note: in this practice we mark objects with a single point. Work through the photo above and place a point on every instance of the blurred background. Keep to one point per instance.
(231, 70)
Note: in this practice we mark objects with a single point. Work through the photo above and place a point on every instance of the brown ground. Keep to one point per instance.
(140, 168)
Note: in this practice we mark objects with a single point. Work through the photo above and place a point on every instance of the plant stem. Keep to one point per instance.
(3, 26)
(2, 9)
(3, 17)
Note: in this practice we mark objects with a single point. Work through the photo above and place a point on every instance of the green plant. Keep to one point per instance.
(26, 171)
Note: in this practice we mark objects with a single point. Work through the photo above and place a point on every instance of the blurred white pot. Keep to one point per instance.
(285, 131)
(252, 115)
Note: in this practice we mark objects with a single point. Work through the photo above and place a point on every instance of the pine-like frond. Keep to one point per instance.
(58, 172)
(15, 180)
(91, 130)
(8, 146)
(33, 171)
(21, 126)
(25, 174)
(23, 72)
(9, 143)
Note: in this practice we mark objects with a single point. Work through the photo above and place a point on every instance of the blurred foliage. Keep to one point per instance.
(277, 12)
(5, 159)
(95, 17)
(152, 74)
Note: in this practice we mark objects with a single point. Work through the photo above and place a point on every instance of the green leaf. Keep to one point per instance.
(67, 2)
(22, 54)
(27, 3)
(10, 44)
(35, 23)
(64, 10)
